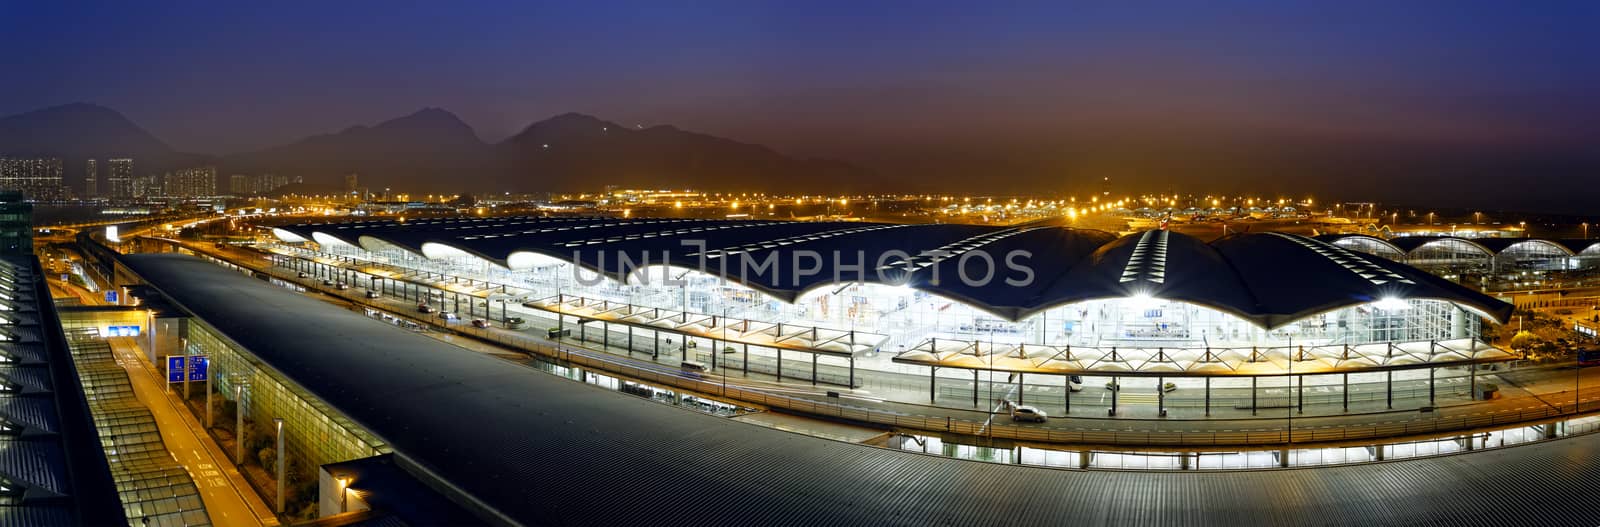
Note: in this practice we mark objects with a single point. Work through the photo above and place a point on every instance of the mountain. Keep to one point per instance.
(576, 151)
(80, 131)
(73, 130)
(431, 149)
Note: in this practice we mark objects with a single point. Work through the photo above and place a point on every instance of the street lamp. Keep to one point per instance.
(238, 420)
(277, 424)
(344, 493)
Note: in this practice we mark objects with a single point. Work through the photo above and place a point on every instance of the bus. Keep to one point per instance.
(1589, 355)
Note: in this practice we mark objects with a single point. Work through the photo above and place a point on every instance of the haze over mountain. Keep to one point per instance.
(576, 148)
(75, 132)
(432, 150)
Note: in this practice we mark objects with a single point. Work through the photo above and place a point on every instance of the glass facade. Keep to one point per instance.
(313, 432)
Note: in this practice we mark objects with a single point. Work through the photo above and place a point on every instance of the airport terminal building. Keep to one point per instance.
(1037, 306)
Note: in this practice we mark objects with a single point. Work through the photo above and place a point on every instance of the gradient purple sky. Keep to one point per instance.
(1101, 86)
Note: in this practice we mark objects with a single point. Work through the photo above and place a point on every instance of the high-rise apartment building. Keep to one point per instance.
(38, 179)
(119, 178)
(191, 183)
(351, 183)
(146, 186)
(91, 177)
(246, 184)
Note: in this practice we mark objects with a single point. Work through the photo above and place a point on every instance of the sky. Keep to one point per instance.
(1268, 95)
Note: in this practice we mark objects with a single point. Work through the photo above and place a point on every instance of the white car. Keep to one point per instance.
(1028, 413)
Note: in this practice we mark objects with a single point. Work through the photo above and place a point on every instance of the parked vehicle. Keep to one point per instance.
(1028, 413)
(516, 323)
(373, 294)
(449, 317)
(327, 282)
(343, 286)
(303, 275)
(424, 308)
(480, 323)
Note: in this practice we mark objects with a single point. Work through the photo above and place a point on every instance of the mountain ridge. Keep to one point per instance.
(432, 149)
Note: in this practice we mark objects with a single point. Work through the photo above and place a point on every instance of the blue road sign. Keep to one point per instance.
(122, 331)
(198, 367)
(111, 296)
(175, 368)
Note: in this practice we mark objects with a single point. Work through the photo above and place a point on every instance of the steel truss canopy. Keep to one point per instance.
(1201, 362)
(809, 339)
(1268, 278)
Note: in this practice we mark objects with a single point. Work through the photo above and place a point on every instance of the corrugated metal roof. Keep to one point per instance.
(37, 413)
(543, 450)
(34, 463)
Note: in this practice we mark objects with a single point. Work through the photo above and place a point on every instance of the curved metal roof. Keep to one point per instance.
(530, 448)
(1267, 278)
(1406, 244)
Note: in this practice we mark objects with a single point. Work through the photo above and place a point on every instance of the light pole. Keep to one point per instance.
(344, 493)
(277, 423)
(238, 421)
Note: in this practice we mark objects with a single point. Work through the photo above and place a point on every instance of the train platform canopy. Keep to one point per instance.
(1268, 278)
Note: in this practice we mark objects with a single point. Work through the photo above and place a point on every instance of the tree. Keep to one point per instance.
(1524, 340)
(267, 456)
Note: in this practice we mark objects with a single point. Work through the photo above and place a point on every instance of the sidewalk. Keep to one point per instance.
(228, 498)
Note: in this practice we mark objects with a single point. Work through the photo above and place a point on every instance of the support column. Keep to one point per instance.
(933, 383)
(814, 369)
(1252, 395)
(780, 364)
(1300, 394)
(974, 388)
(1388, 389)
(852, 372)
(1346, 392)
(746, 364)
(1430, 385)
(1161, 397)
(1022, 386)
(1208, 396)
(1067, 382)
(1472, 380)
(1114, 393)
